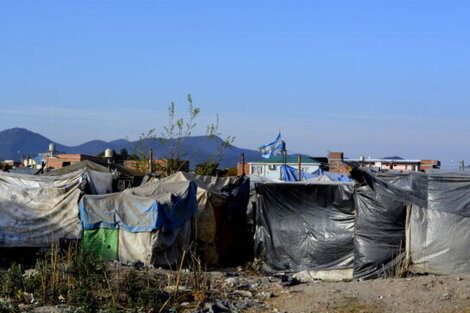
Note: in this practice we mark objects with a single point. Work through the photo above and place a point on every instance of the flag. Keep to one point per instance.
(272, 148)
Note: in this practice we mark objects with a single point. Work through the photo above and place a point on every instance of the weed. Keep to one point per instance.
(12, 284)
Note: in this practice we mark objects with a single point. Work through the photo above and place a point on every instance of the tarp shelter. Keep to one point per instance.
(220, 228)
(99, 178)
(435, 228)
(150, 223)
(305, 226)
(439, 234)
(36, 211)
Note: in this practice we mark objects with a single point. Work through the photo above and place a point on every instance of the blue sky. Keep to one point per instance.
(376, 78)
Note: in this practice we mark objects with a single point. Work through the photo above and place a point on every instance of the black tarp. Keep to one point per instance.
(303, 226)
(379, 237)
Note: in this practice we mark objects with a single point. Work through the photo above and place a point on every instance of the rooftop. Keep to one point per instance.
(290, 159)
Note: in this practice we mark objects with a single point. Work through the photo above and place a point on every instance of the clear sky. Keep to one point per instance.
(373, 78)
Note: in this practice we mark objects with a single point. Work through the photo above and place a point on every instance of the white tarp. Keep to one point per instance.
(36, 211)
(159, 248)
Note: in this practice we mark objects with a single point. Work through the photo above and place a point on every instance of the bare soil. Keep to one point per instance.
(417, 294)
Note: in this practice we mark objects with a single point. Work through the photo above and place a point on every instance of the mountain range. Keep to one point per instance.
(18, 142)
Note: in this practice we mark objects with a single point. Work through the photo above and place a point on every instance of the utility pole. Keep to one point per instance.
(462, 165)
(243, 164)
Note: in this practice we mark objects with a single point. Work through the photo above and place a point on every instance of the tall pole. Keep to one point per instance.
(243, 164)
(299, 165)
(150, 161)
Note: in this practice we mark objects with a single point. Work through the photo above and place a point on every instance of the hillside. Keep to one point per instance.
(16, 142)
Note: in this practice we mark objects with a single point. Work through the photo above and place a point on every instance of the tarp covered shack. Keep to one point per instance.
(220, 228)
(150, 223)
(305, 226)
(36, 211)
(99, 178)
(434, 231)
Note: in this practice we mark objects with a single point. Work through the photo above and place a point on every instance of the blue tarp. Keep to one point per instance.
(138, 210)
(289, 173)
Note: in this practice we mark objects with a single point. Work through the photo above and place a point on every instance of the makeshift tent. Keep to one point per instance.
(221, 218)
(439, 234)
(99, 178)
(379, 237)
(152, 221)
(36, 211)
(437, 237)
(305, 226)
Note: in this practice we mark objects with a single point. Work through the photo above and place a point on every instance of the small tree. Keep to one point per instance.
(174, 135)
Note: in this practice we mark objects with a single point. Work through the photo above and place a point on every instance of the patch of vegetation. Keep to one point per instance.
(78, 278)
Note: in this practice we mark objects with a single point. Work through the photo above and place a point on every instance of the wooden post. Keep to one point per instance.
(150, 161)
(299, 164)
(243, 164)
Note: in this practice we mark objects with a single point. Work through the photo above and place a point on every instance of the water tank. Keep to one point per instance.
(51, 147)
(108, 153)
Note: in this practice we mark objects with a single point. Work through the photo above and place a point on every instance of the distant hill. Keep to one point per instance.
(16, 142)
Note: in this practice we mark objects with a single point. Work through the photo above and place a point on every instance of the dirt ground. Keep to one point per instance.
(242, 291)
(418, 294)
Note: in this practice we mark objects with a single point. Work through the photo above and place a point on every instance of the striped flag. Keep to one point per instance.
(272, 148)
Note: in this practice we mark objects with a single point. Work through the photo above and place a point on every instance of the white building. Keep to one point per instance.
(271, 168)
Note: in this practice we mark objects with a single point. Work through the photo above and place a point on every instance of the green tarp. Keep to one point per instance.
(103, 242)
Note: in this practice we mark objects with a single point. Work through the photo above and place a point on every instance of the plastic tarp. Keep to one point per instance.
(220, 228)
(303, 226)
(140, 209)
(152, 222)
(36, 211)
(290, 173)
(102, 242)
(159, 248)
(439, 235)
(379, 237)
(100, 180)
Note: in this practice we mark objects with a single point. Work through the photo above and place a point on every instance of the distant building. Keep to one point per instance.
(271, 168)
(340, 165)
(62, 160)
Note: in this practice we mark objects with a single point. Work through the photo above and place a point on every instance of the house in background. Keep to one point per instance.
(271, 168)
(62, 160)
(340, 164)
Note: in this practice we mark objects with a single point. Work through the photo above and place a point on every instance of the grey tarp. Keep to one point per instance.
(221, 218)
(152, 219)
(100, 180)
(439, 235)
(36, 211)
(303, 226)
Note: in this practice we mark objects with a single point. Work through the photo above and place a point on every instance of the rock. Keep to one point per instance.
(243, 293)
(445, 296)
(264, 295)
(459, 278)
